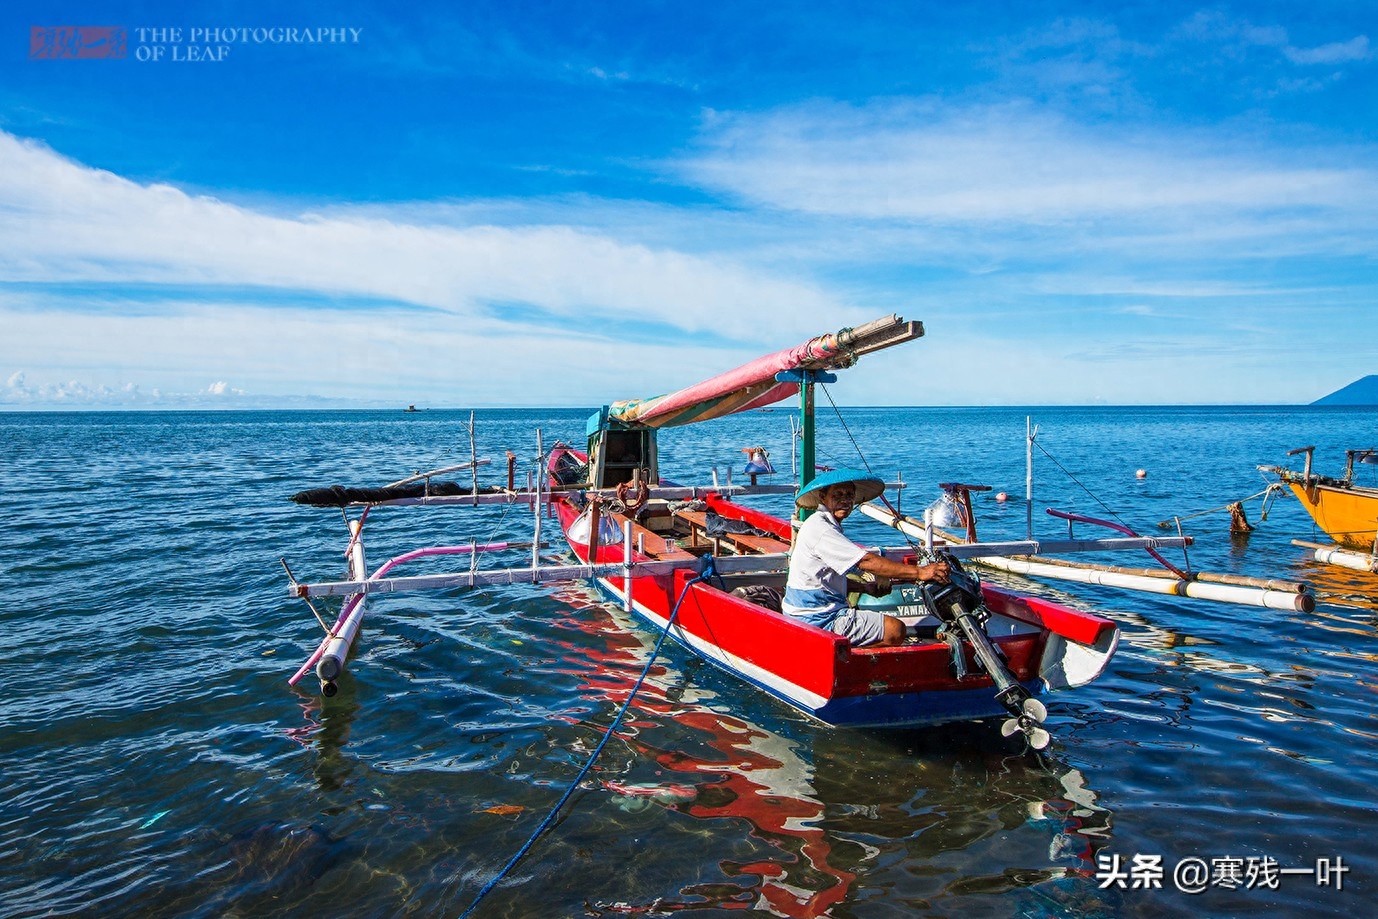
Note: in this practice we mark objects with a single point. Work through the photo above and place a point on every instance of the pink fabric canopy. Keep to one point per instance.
(749, 386)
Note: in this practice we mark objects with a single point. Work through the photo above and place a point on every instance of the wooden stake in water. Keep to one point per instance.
(473, 457)
(627, 565)
(536, 506)
(1029, 433)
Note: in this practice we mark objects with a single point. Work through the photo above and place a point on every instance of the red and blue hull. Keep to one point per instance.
(820, 673)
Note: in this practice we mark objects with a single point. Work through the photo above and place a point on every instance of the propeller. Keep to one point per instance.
(1030, 722)
(959, 602)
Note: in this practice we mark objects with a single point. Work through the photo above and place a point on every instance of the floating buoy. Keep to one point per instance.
(1141, 474)
(1002, 497)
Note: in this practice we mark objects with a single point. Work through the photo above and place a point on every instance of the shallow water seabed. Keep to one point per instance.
(156, 763)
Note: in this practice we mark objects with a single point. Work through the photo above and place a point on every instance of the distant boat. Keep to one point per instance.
(1348, 513)
(411, 408)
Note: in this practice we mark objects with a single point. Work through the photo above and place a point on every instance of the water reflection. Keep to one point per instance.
(822, 807)
(327, 731)
(1343, 586)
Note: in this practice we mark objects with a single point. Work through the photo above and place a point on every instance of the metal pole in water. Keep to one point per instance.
(536, 505)
(794, 449)
(807, 460)
(473, 456)
(627, 565)
(1028, 475)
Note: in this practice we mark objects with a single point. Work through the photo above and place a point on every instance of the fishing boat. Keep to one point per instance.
(700, 565)
(1009, 650)
(1345, 511)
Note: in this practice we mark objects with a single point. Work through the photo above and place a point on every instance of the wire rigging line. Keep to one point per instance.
(1079, 484)
(704, 574)
(1275, 487)
(856, 446)
(838, 412)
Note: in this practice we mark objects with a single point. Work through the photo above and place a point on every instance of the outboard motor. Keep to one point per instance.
(958, 604)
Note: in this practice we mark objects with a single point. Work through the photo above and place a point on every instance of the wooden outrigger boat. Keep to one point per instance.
(1345, 511)
(1030, 645)
(700, 564)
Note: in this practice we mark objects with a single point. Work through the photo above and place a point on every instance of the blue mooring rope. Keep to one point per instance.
(705, 572)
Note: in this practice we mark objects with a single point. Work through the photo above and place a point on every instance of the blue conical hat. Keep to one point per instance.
(867, 486)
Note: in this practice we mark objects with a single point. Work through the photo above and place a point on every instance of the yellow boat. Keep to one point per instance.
(1348, 513)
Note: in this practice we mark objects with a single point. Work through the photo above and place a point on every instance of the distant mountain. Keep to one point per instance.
(1360, 392)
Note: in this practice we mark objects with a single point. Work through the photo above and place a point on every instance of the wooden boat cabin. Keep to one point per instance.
(617, 450)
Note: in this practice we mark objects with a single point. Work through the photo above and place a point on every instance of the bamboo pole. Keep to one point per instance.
(430, 473)
(1223, 593)
(473, 455)
(728, 564)
(1344, 558)
(334, 652)
(536, 502)
(531, 494)
(1219, 588)
(1238, 580)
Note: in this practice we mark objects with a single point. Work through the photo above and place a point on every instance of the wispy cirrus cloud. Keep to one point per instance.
(1338, 52)
(73, 223)
(113, 291)
(1237, 35)
(932, 162)
(1030, 239)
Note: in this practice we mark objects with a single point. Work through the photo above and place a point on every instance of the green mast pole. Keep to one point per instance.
(807, 462)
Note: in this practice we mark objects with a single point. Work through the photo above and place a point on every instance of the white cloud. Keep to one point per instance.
(70, 223)
(1239, 35)
(74, 393)
(1017, 234)
(1356, 49)
(397, 359)
(925, 161)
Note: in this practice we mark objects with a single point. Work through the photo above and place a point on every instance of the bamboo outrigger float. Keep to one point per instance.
(1027, 558)
(1348, 513)
(700, 565)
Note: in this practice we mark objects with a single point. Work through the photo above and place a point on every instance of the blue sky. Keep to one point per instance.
(568, 203)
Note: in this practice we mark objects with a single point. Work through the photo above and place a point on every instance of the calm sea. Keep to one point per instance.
(154, 761)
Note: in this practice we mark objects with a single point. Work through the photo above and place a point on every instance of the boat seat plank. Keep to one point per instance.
(739, 542)
(653, 544)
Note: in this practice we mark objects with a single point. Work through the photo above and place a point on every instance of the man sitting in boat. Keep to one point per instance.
(816, 591)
